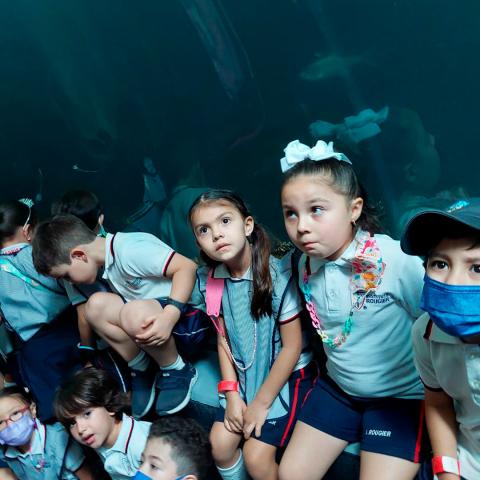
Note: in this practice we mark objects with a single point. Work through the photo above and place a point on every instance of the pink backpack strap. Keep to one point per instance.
(213, 298)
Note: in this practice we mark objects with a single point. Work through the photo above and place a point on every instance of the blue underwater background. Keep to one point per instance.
(213, 90)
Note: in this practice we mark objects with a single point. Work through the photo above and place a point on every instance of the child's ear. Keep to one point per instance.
(33, 409)
(249, 225)
(78, 253)
(356, 208)
(27, 232)
(101, 218)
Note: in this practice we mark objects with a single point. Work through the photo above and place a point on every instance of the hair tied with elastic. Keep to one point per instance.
(27, 201)
(296, 152)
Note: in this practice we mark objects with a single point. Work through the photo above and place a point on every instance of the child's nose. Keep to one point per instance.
(302, 224)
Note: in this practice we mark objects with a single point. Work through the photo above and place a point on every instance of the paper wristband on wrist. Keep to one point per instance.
(442, 464)
(227, 386)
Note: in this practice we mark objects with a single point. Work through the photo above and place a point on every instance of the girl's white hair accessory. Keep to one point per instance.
(296, 152)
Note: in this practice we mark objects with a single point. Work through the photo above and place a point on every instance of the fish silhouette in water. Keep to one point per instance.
(324, 67)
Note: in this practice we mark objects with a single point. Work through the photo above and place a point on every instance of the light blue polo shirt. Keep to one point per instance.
(377, 358)
(239, 322)
(25, 307)
(122, 460)
(46, 455)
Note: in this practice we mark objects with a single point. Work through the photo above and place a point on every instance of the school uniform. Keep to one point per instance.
(41, 323)
(448, 364)
(53, 455)
(122, 460)
(372, 392)
(258, 342)
(136, 265)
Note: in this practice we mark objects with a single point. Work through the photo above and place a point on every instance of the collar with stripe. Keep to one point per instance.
(13, 249)
(125, 435)
(221, 271)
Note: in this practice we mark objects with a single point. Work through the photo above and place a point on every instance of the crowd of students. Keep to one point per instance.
(315, 349)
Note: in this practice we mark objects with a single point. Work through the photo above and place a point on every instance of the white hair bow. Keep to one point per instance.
(296, 152)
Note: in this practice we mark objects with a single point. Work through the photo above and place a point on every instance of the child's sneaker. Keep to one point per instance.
(175, 389)
(143, 390)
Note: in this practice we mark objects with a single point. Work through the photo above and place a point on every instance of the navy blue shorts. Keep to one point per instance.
(390, 426)
(192, 331)
(277, 431)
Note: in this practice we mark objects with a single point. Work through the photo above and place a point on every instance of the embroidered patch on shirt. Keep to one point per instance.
(135, 282)
(378, 299)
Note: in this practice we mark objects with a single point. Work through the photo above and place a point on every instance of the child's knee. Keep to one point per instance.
(131, 317)
(222, 452)
(95, 307)
(257, 461)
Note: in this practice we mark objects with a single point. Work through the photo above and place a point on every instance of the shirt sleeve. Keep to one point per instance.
(410, 276)
(286, 297)
(144, 255)
(423, 359)
(74, 458)
(198, 300)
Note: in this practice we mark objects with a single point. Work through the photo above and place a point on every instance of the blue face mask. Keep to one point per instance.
(141, 476)
(19, 432)
(455, 309)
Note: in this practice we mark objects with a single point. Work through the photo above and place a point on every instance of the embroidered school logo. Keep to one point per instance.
(135, 282)
(378, 299)
(378, 433)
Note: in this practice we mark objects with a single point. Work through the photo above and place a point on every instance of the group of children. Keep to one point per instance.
(287, 410)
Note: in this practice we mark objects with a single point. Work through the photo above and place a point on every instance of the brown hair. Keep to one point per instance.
(261, 249)
(55, 238)
(342, 178)
(88, 388)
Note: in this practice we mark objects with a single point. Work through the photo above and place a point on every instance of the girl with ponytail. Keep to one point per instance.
(255, 308)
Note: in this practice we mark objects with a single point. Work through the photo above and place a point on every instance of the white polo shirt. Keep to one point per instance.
(122, 460)
(47, 452)
(448, 364)
(136, 265)
(377, 358)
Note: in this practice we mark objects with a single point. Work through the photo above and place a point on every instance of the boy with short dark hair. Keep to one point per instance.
(176, 449)
(143, 271)
(446, 338)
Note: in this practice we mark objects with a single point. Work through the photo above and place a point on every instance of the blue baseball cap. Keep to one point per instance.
(427, 227)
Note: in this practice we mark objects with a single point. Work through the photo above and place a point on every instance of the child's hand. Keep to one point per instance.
(156, 330)
(234, 412)
(254, 418)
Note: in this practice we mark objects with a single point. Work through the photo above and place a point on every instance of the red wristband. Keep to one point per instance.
(227, 386)
(442, 464)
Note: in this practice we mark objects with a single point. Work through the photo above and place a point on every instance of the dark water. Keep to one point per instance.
(211, 90)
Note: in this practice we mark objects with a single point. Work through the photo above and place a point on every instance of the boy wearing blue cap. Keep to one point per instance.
(446, 338)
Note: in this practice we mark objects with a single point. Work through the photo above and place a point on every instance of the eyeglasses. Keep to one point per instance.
(13, 417)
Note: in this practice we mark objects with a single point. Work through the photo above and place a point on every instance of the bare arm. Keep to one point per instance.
(7, 474)
(235, 405)
(182, 272)
(281, 370)
(442, 426)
